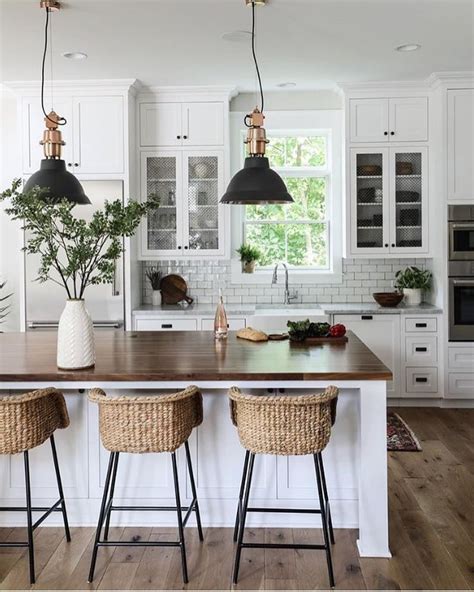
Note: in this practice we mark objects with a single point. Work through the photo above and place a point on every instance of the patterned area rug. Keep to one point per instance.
(400, 438)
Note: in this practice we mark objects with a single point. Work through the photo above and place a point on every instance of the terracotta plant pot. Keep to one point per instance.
(248, 266)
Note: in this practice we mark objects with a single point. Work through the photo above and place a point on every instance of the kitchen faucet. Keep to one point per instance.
(288, 297)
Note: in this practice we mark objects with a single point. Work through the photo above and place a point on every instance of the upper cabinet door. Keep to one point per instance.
(203, 124)
(408, 120)
(98, 135)
(369, 120)
(160, 124)
(33, 127)
(460, 144)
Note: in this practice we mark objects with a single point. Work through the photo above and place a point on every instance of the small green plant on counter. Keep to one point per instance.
(300, 330)
(413, 278)
(154, 277)
(248, 254)
(74, 253)
(4, 309)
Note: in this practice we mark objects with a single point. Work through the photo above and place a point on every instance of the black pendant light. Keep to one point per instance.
(53, 177)
(256, 183)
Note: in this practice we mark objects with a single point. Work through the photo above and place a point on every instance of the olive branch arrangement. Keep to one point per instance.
(74, 253)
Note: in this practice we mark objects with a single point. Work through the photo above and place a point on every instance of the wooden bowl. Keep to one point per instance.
(388, 299)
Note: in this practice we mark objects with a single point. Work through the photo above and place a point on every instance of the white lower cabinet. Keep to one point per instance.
(165, 324)
(381, 333)
(233, 324)
(460, 382)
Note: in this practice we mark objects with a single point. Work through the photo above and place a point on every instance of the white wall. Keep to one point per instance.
(10, 233)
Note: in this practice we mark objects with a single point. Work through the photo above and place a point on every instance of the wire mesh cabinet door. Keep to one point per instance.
(409, 200)
(161, 176)
(370, 208)
(203, 224)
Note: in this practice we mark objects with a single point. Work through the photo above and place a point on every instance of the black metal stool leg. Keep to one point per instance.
(193, 490)
(242, 519)
(101, 517)
(241, 495)
(326, 497)
(60, 488)
(29, 518)
(180, 519)
(327, 544)
(111, 496)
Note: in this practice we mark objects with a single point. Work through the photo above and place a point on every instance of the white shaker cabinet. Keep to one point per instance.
(181, 124)
(389, 120)
(460, 144)
(381, 333)
(94, 134)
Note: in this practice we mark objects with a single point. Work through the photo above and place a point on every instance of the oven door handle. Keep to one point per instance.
(463, 282)
(462, 225)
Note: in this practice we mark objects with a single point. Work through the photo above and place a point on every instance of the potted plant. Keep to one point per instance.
(413, 281)
(74, 254)
(249, 256)
(154, 277)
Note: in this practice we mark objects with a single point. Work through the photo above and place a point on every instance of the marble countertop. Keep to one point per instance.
(197, 310)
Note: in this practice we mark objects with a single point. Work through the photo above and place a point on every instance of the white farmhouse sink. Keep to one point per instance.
(289, 309)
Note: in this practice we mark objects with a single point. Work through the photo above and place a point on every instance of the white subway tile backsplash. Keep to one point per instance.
(361, 277)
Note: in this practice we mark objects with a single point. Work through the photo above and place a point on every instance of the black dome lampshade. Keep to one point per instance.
(256, 184)
(58, 181)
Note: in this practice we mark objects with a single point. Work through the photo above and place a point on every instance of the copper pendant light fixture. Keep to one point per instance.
(256, 183)
(53, 177)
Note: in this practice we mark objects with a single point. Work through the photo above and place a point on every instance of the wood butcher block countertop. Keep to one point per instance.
(187, 356)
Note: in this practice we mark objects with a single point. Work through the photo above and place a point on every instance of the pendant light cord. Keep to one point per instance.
(254, 55)
(61, 120)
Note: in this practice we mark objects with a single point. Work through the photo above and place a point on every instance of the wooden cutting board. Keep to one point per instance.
(174, 289)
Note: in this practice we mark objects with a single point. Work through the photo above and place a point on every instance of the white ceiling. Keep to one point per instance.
(178, 42)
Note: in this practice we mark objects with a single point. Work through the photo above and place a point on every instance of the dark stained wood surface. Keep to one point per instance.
(188, 356)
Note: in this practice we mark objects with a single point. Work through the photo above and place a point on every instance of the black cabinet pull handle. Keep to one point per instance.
(165, 326)
(367, 317)
(385, 133)
(421, 379)
(421, 349)
(420, 325)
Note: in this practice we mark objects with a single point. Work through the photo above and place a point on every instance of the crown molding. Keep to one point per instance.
(227, 92)
(33, 87)
(437, 79)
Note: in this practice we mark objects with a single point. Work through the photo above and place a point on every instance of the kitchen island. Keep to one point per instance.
(140, 362)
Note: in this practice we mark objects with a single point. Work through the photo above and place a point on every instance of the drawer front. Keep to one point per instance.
(461, 358)
(421, 380)
(166, 325)
(232, 324)
(461, 384)
(421, 325)
(421, 350)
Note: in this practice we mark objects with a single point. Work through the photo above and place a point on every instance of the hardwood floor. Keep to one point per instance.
(431, 496)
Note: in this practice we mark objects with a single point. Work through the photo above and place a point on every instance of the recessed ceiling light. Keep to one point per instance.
(75, 55)
(286, 84)
(237, 36)
(408, 47)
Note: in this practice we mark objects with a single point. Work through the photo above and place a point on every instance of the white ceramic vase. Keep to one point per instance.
(413, 297)
(76, 347)
(156, 298)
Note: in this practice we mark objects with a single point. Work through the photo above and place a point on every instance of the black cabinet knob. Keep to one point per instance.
(185, 137)
(69, 164)
(392, 133)
(180, 247)
(393, 244)
(385, 133)
(186, 247)
(386, 244)
(76, 164)
(178, 137)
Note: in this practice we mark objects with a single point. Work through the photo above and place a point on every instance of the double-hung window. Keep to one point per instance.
(297, 234)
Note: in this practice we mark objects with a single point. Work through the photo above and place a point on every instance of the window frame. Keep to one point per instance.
(281, 124)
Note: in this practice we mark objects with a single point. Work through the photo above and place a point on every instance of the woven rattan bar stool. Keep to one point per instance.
(284, 426)
(26, 421)
(143, 424)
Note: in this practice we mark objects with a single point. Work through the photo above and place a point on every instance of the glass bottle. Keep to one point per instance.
(220, 320)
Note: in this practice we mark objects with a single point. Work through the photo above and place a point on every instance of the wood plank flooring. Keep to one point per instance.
(431, 497)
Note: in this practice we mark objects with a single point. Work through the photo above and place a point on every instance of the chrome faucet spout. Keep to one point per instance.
(288, 297)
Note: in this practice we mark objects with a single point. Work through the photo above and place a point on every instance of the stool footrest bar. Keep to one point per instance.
(281, 546)
(148, 508)
(53, 508)
(5, 545)
(284, 510)
(138, 544)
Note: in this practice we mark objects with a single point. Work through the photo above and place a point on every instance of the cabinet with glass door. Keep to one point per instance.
(189, 221)
(389, 201)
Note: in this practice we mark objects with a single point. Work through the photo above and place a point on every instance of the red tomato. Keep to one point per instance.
(337, 330)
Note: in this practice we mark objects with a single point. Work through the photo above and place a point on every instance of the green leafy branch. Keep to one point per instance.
(74, 253)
